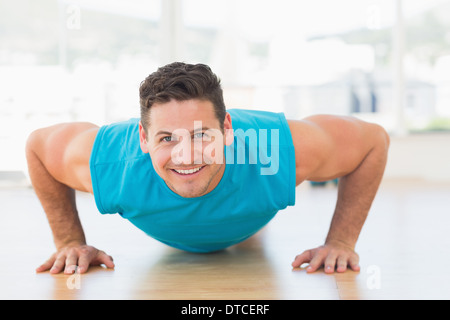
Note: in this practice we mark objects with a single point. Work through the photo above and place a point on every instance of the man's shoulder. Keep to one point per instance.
(121, 126)
(246, 118)
(118, 141)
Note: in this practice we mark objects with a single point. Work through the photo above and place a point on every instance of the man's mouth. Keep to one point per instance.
(188, 171)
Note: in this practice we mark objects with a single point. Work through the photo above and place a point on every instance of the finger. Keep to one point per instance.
(305, 257)
(105, 259)
(46, 265)
(330, 262)
(83, 263)
(342, 264)
(71, 264)
(316, 262)
(58, 266)
(354, 263)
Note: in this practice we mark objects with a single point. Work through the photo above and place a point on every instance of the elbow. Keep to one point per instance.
(386, 139)
(383, 139)
(381, 146)
(32, 142)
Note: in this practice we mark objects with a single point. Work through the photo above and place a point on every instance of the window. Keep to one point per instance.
(80, 60)
(298, 57)
(83, 60)
(427, 65)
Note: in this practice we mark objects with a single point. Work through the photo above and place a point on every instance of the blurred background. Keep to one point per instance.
(385, 61)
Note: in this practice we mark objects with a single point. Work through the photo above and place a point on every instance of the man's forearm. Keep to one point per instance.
(356, 193)
(58, 202)
(63, 218)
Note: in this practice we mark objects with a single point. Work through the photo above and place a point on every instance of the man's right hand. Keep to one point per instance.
(58, 164)
(76, 257)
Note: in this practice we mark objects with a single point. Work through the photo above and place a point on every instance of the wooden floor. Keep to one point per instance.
(404, 250)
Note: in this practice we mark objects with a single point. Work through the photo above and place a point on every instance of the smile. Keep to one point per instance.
(188, 172)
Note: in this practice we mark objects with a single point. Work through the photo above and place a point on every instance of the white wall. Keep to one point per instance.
(420, 156)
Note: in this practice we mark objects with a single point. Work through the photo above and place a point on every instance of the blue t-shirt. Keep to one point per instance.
(258, 181)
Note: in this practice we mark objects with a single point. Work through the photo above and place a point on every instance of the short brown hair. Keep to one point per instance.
(180, 81)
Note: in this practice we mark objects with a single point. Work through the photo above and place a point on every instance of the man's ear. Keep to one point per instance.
(143, 138)
(228, 128)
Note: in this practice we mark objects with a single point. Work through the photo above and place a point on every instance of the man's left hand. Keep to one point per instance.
(334, 256)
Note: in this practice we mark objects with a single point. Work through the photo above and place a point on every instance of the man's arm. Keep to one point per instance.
(329, 147)
(58, 164)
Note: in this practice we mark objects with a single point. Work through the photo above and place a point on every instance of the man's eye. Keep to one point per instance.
(167, 139)
(200, 135)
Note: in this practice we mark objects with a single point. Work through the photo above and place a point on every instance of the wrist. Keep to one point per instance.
(340, 242)
(70, 243)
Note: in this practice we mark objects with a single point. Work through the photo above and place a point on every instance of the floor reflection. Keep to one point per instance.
(240, 272)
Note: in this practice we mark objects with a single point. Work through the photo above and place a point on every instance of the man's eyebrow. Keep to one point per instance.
(162, 132)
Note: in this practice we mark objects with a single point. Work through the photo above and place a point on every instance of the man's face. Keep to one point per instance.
(185, 143)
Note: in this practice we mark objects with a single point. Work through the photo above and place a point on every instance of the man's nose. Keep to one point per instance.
(188, 151)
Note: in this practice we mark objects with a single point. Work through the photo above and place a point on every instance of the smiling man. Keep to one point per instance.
(176, 145)
(201, 178)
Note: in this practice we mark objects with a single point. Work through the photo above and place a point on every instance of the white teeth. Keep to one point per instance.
(191, 171)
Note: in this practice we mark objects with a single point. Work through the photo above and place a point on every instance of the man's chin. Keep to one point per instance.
(187, 190)
(190, 193)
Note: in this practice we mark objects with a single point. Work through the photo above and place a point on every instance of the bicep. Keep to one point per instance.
(65, 151)
(329, 147)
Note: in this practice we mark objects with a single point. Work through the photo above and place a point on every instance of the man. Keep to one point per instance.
(199, 178)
